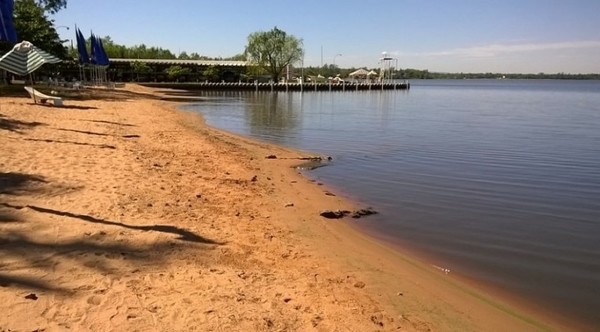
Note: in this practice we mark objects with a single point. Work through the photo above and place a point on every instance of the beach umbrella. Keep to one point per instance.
(25, 58)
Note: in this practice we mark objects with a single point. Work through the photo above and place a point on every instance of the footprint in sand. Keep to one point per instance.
(94, 300)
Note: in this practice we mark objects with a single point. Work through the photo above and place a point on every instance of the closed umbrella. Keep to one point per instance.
(25, 58)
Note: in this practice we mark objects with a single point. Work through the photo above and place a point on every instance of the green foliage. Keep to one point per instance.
(183, 56)
(114, 50)
(412, 74)
(141, 69)
(425, 74)
(211, 73)
(176, 72)
(556, 76)
(256, 71)
(143, 52)
(237, 57)
(52, 6)
(196, 56)
(33, 25)
(273, 50)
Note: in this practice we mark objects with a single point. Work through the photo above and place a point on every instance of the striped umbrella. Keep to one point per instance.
(25, 58)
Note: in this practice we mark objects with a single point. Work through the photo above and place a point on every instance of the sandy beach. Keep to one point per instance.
(120, 213)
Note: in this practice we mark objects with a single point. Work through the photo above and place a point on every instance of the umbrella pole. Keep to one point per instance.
(32, 89)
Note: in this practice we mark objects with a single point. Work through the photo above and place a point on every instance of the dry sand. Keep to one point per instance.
(120, 213)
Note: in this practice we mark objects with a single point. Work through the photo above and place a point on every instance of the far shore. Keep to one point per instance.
(120, 212)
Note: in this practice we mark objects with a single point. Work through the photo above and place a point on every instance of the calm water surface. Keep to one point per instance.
(497, 180)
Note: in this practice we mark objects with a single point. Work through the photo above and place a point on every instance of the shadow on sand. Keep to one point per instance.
(102, 146)
(29, 257)
(182, 234)
(17, 126)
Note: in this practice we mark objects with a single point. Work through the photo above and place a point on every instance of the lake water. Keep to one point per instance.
(497, 180)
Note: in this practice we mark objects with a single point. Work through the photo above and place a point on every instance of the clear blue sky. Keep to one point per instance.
(510, 36)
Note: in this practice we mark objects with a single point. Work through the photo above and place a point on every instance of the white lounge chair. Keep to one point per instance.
(36, 95)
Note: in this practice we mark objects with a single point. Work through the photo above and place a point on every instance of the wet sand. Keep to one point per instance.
(119, 212)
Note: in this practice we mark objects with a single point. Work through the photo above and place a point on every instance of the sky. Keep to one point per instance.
(500, 36)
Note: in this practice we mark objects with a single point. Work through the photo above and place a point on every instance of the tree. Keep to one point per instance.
(114, 50)
(273, 51)
(176, 72)
(140, 68)
(196, 56)
(52, 6)
(211, 73)
(183, 56)
(237, 57)
(33, 25)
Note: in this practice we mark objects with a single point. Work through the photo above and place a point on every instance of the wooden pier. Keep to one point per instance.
(305, 87)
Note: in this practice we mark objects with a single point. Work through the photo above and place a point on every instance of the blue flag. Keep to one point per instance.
(98, 55)
(7, 26)
(93, 50)
(84, 58)
(104, 58)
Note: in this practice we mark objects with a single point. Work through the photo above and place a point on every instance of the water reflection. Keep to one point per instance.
(275, 115)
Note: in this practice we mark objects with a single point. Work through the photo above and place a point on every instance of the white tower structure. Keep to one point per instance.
(386, 62)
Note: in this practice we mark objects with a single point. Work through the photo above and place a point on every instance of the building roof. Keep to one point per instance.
(218, 63)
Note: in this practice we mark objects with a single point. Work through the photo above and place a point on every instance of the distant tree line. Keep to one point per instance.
(114, 50)
(425, 74)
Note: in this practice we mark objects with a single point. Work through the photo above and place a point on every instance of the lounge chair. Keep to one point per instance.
(36, 95)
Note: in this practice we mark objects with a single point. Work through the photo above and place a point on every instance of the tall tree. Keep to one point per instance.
(273, 51)
(33, 25)
(52, 6)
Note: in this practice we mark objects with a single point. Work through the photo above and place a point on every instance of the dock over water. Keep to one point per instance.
(239, 86)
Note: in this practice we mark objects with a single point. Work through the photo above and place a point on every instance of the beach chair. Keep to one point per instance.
(36, 95)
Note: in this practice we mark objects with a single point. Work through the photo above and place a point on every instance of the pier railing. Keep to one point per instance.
(342, 86)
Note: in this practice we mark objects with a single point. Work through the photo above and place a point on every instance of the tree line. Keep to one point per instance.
(141, 51)
(425, 74)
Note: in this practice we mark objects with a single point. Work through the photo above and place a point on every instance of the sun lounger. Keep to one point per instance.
(36, 95)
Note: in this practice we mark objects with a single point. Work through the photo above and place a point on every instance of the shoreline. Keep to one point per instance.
(276, 265)
(513, 304)
(508, 302)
